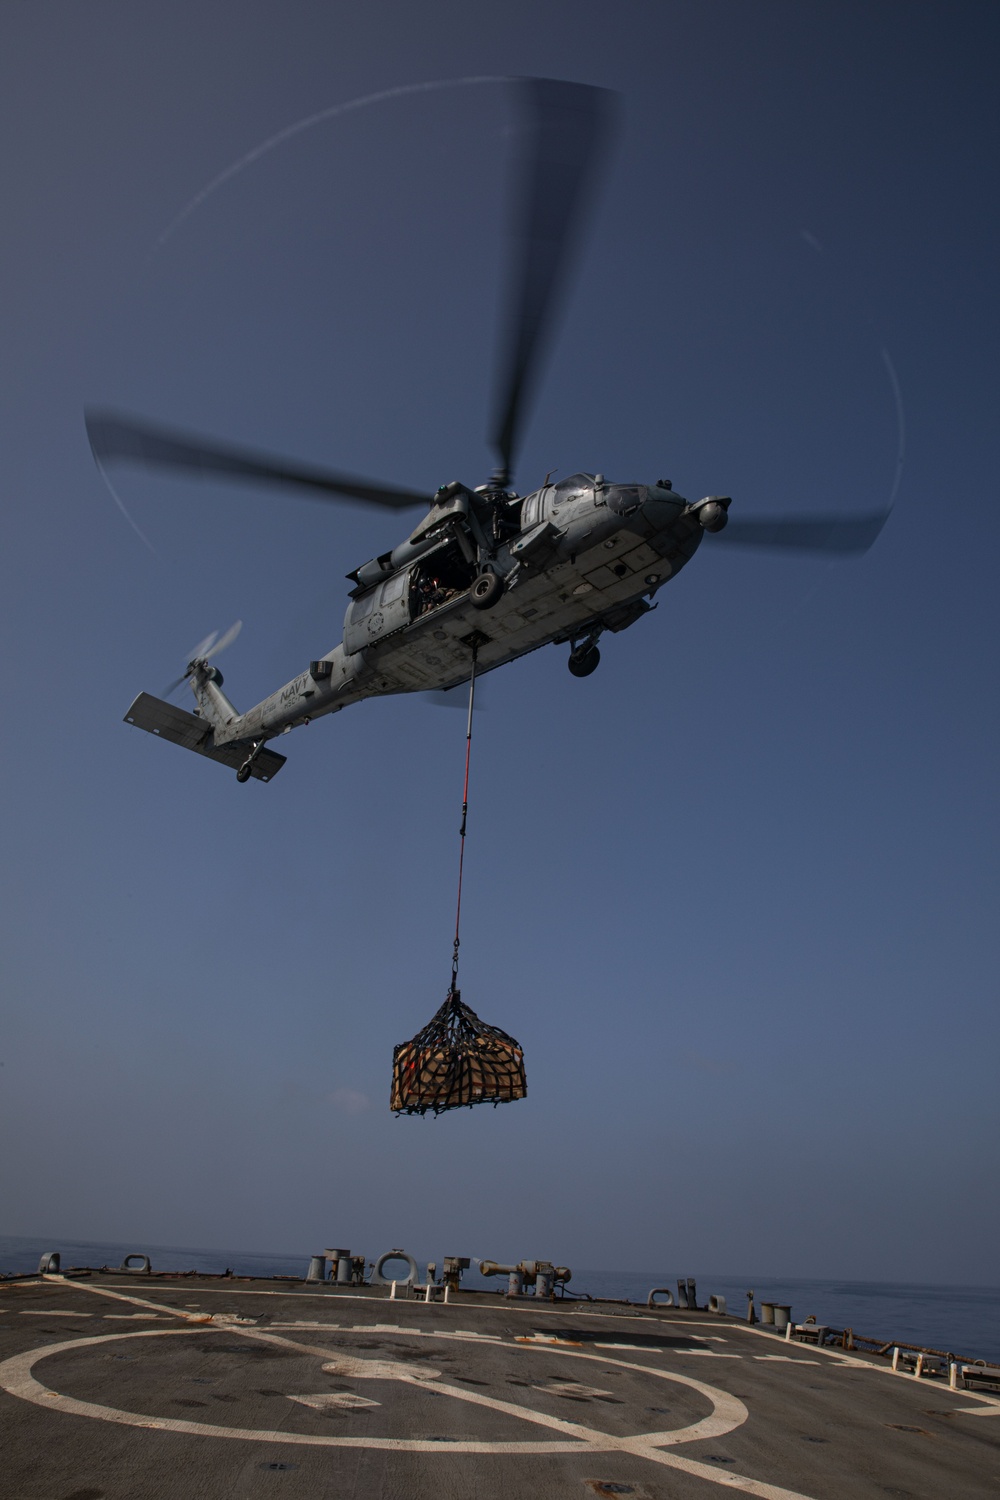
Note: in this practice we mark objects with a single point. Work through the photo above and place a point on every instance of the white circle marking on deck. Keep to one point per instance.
(17, 1378)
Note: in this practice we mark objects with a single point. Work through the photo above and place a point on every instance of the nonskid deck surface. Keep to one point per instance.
(146, 1388)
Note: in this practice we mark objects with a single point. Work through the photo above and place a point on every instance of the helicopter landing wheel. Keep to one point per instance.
(582, 663)
(486, 590)
(245, 771)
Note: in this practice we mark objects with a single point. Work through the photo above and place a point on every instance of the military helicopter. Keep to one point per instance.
(487, 574)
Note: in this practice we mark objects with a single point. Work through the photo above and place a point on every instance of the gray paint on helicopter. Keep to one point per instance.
(485, 571)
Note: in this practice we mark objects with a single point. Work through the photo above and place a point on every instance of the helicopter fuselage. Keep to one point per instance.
(487, 575)
(572, 560)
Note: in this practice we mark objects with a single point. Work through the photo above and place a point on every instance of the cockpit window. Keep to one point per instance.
(623, 499)
(574, 483)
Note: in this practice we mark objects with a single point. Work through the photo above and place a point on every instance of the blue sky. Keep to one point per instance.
(736, 892)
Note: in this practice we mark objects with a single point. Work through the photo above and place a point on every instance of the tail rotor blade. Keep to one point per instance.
(203, 646)
(565, 131)
(209, 647)
(226, 640)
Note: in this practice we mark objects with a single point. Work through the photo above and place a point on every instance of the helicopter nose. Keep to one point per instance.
(662, 503)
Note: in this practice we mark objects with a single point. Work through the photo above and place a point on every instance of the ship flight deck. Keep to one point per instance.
(128, 1387)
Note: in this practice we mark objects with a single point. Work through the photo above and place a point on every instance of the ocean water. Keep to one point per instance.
(962, 1319)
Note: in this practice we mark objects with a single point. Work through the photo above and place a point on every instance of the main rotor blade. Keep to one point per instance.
(116, 439)
(837, 534)
(452, 698)
(565, 130)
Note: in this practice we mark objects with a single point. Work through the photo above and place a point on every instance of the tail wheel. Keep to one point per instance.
(582, 663)
(486, 590)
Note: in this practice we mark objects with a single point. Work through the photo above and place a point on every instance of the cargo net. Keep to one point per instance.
(456, 1060)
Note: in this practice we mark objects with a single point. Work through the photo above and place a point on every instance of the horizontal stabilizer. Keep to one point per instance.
(181, 728)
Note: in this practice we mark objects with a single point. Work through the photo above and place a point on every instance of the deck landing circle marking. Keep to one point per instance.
(17, 1378)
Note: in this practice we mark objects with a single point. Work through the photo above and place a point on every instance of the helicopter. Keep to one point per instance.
(487, 575)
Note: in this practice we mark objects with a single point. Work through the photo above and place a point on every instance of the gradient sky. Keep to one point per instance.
(735, 893)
